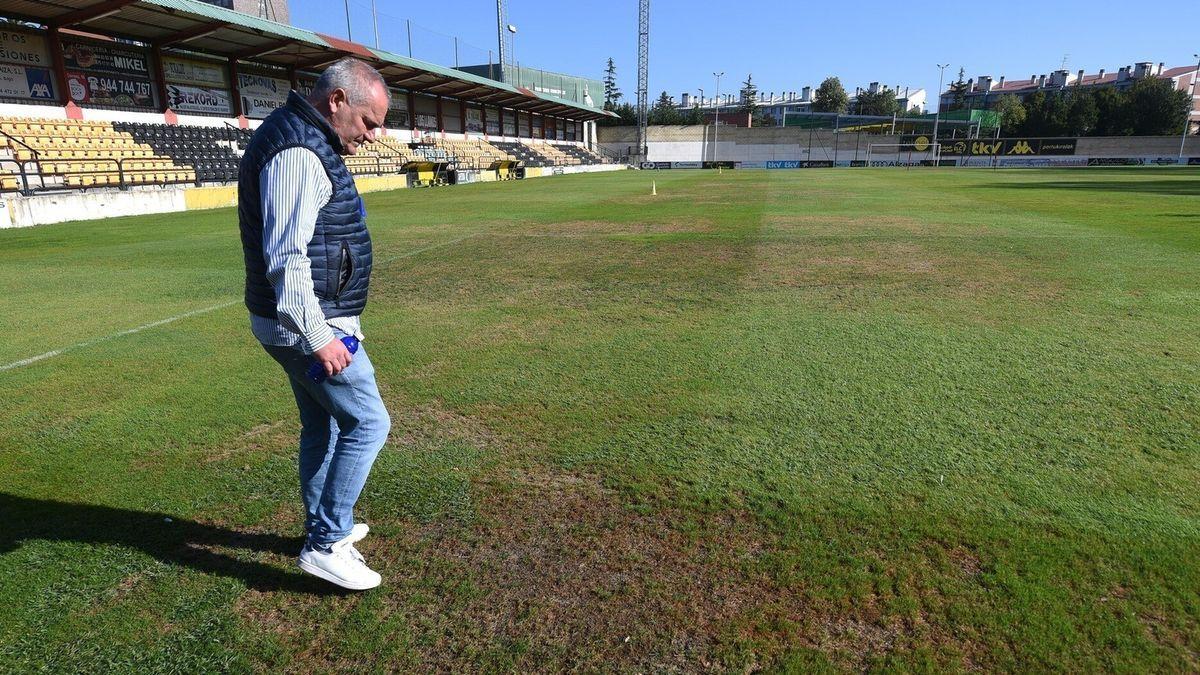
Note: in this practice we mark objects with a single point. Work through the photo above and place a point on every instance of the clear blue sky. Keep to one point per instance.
(785, 44)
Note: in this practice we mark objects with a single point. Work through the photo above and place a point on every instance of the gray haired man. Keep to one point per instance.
(308, 266)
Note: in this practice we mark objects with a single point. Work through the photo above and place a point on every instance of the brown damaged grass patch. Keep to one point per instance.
(892, 269)
(591, 228)
(558, 573)
(416, 424)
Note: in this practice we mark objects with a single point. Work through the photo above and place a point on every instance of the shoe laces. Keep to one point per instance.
(350, 553)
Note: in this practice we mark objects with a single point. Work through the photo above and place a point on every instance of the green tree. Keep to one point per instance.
(1012, 113)
(831, 97)
(881, 102)
(958, 92)
(1157, 108)
(1082, 113)
(748, 100)
(694, 116)
(1046, 114)
(626, 117)
(664, 111)
(612, 95)
(1112, 113)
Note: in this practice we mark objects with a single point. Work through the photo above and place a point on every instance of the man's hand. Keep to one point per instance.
(334, 357)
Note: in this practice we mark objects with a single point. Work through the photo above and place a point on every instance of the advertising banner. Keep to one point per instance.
(1042, 162)
(27, 49)
(261, 94)
(687, 165)
(1019, 147)
(198, 73)
(1116, 161)
(474, 123)
(183, 98)
(97, 58)
(102, 89)
(397, 114)
(23, 82)
(1193, 161)
(721, 165)
(306, 83)
(784, 164)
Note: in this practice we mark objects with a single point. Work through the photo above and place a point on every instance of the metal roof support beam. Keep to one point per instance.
(203, 30)
(439, 82)
(470, 89)
(318, 62)
(403, 81)
(263, 50)
(85, 14)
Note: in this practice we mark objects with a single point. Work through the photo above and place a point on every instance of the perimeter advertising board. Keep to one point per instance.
(397, 114)
(204, 100)
(25, 82)
(261, 94)
(24, 67)
(1016, 147)
(109, 89)
(474, 121)
(108, 74)
(26, 49)
(196, 86)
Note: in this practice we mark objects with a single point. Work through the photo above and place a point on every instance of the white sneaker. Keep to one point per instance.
(342, 564)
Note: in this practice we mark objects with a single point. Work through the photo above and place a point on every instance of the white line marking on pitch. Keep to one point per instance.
(185, 315)
(131, 331)
(428, 248)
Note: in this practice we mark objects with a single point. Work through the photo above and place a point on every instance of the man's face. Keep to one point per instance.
(357, 124)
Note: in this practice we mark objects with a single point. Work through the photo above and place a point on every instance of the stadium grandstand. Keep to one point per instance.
(110, 96)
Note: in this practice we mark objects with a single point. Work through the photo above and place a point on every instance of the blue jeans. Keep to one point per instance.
(343, 426)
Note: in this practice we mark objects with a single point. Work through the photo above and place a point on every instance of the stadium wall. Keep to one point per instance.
(46, 209)
(756, 147)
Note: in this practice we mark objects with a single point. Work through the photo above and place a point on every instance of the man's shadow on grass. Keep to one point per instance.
(172, 540)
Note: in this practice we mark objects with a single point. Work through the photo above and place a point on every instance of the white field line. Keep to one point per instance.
(195, 312)
(131, 331)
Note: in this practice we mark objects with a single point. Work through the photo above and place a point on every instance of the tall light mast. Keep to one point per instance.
(643, 94)
(501, 29)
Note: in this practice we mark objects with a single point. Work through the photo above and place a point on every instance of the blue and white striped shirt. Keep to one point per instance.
(294, 189)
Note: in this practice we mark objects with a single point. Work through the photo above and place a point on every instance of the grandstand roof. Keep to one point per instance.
(205, 28)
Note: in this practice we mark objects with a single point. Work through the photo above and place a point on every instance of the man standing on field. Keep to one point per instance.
(308, 265)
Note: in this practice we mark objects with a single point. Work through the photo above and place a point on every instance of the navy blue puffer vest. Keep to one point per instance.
(340, 250)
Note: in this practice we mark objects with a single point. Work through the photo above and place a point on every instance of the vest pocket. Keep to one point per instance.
(345, 269)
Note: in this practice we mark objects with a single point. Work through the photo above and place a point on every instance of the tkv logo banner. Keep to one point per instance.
(1012, 147)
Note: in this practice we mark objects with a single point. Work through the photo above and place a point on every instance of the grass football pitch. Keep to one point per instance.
(840, 419)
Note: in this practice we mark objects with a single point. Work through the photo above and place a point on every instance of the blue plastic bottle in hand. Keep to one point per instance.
(316, 372)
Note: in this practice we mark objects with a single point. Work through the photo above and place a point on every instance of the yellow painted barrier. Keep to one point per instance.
(381, 183)
(210, 197)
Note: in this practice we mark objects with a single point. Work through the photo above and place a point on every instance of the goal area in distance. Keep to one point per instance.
(918, 153)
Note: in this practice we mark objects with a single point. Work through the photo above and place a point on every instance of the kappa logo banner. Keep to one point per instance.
(1010, 147)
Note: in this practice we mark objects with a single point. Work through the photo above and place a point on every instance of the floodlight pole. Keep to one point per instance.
(348, 36)
(1187, 120)
(375, 21)
(501, 22)
(717, 119)
(938, 117)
